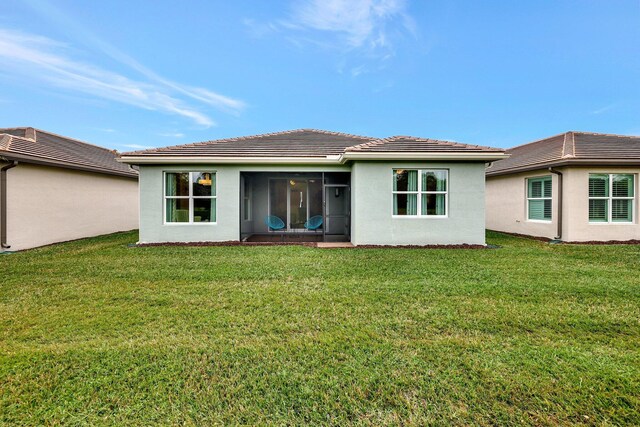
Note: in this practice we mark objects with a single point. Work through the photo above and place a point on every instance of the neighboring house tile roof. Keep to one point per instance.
(570, 148)
(31, 145)
(308, 143)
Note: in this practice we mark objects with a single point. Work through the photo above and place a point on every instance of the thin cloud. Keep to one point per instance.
(172, 134)
(137, 146)
(85, 36)
(603, 109)
(48, 62)
(356, 23)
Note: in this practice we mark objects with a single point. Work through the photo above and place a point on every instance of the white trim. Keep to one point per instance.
(610, 200)
(339, 159)
(419, 193)
(529, 199)
(350, 155)
(190, 197)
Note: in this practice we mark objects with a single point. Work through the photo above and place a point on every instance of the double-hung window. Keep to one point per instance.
(420, 192)
(190, 197)
(611, 197)
(539, 198)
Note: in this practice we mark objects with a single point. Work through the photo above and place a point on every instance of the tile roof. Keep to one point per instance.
(307, 143)
(37, 146)
(569, 148)
(418, 145)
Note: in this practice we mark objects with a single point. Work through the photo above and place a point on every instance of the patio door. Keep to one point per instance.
(295, 200)
(298, 204)
(337, 210)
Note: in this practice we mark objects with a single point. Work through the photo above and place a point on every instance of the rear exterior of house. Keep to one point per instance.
(55, 189)
(574, 187)
(311, 185)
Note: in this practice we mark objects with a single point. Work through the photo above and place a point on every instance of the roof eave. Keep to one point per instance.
(566, 162)
(455, 156)
(162, 159)
(46, 162)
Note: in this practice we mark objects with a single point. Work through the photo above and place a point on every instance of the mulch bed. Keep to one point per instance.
(310, 244)
(228, 243)
(608, 242)
(590, 242)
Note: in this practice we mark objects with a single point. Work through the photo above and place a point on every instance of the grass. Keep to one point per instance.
(94, 333)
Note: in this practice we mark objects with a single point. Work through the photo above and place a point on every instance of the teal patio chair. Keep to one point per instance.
(313, 223)
(273, 222)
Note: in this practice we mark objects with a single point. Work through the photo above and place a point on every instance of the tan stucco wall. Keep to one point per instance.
(48, 205)
(506, 205)
(576, 205)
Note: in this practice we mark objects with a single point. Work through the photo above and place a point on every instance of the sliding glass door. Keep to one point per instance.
(298, 204)
(295, 200)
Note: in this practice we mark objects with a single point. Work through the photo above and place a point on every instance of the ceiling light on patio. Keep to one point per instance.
(205, 179)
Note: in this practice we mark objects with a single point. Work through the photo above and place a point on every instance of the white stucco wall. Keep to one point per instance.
(371, 196)
(506, 202)
(576, 204)
(48, 205)
(507, 206)
(227, 226)
(372, 206)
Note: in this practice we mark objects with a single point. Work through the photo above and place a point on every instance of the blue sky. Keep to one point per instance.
(133, 74)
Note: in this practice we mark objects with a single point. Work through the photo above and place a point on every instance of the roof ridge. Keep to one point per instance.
(568, 145)
(246, 137)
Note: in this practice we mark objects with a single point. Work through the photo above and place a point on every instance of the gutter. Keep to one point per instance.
(336, 160)
(24, 158)
(567, 162)
(3, 204)
(559, 174)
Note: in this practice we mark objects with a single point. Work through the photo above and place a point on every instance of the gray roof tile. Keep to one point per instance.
(38, 146)
(308, 143)
(567, 148)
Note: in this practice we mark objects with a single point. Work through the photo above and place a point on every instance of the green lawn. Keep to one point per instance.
(93, 332)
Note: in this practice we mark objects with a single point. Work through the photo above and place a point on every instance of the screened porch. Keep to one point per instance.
(308, 207)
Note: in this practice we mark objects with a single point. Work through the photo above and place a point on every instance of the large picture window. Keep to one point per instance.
(539, 198)
(420, 192)
(611, 197)
(190, 197)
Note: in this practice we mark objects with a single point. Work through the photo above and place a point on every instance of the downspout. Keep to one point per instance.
(559, 174)
(3, 204)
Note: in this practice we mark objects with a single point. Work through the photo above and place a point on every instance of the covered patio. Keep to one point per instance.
(295, 207)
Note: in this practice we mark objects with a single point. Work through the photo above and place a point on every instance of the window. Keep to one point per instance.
(246, 201)
(190, 197)
(611, 197)
(539, 198)
(418, 192)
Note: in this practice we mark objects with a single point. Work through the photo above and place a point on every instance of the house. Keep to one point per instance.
(54, 188)
(314, 185)
(576, 186)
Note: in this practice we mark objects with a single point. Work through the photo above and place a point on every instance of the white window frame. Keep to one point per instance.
(611, 198)
(420, 192)
(191, 197)
(529, 199)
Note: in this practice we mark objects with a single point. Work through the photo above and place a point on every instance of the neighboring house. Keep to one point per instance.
(54, 189)
(314, 185)
(577, 186)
